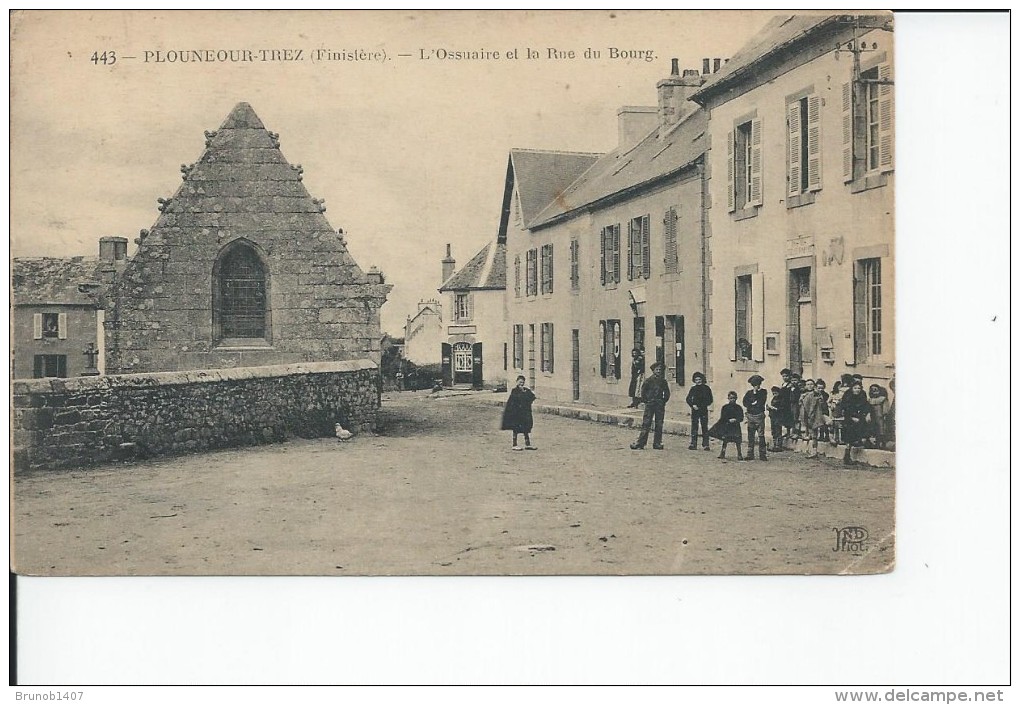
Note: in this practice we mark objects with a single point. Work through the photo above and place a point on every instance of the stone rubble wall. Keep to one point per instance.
(87, 420)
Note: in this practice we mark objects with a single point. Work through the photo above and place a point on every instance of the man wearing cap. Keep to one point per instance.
(754, 404)
(655, 394)
(699, 398)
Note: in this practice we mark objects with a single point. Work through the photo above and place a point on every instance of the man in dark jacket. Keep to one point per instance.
(754, 403)
(699, 399)
(655, 394)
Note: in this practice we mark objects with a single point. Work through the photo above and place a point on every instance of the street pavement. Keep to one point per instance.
(438, 491)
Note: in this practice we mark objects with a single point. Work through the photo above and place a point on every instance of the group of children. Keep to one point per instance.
(798, 409)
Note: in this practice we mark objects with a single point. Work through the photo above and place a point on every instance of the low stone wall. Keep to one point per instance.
(88, 420)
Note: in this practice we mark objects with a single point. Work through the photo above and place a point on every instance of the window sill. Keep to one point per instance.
(868, 182)
(234, 344)
(802, 199)
(745, 213)
(575, 291)
(671, 276)
(611, 285)
(747, 365)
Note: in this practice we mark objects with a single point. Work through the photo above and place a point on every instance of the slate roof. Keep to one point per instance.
(621, 172)
(53, 280)
(780, 33)
(486, 270)
(541, 176)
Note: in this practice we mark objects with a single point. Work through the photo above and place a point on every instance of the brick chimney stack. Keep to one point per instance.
(448, 264)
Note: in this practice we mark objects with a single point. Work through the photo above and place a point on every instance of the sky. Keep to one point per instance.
(408, 153)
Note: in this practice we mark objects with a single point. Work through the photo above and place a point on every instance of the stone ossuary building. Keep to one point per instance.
(241, 269)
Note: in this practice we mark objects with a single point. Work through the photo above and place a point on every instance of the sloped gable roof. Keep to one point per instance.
(244, 183)
(541, 176)
(54, 280)
(619, 172)
(780, 32)
(486, 270)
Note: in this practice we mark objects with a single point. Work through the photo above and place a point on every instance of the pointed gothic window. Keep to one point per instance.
(240, 296)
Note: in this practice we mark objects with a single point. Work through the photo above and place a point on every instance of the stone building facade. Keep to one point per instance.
(617, 259)
(473, 346)
(801, 202)
(423, 334)
(56, 317)
(241, 269)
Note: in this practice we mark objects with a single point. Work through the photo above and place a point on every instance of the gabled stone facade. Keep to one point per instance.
(241, 240)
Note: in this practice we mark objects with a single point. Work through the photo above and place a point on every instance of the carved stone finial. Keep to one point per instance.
(164, 203)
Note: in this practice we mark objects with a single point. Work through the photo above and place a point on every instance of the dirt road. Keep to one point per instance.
(438, 491)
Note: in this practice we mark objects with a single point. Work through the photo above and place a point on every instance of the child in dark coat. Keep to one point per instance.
(699, 399)
(517, 415)
(777, 418)
(727, 428)
(856, 412)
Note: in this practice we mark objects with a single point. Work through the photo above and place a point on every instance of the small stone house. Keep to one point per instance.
(241, 269)
(423, 333)
(55, 322)
(474, 344)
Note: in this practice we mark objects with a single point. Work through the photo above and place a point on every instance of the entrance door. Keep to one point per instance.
(463, 364)
(660, 333)
(800, 315)
(575, 363)
(681, 353)
(476, 373)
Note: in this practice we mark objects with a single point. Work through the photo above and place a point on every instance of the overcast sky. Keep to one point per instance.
(409, 154)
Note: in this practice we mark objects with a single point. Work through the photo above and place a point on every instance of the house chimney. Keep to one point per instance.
(674, 93)
(716, 63)
(448, 264)
(113, 250)
(375, 276)
(634, 123)
(706, 65)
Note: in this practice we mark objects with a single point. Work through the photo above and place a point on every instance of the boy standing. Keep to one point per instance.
(812, 415)
(754, 404)
(655, 394)
(699, 399)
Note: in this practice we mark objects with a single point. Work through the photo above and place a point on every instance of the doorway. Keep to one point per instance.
(463, 364)
(800, 317)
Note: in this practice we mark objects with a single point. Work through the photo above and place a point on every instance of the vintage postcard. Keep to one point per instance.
(453, 293)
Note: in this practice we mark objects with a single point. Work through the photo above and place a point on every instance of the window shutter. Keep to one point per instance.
(669, 245)
(731, 343)
(860, 315)
(552, 349)
(550, 269)
(602, 348)
(757, 317)
(814, 141)
(37, 366)
(616, 347)
(848, 133)
(793, 138)
(616, 253)
(630, 250)
(756, 188)
(37, 326)
(885, 119)
(731, 196)
(602, 247)
(646, 246)
(542, 274)
(62, 326)
(469, 305)
(517, 276)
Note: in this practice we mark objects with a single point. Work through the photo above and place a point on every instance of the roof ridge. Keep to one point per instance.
(532, 150)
